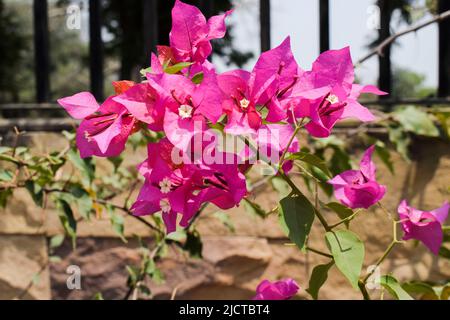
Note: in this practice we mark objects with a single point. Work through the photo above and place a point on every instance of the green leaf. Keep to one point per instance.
(117, 223)
(348, 253)
(254, 208)
(281, 186)
(424, 289)
(414, 120)
(198, 78)
(133, 275)
(36, 192)
(298, 214)
(83, 200)
(98, 296)
(67, 220)
(144, 71)
(194, 244)
(56, 241)
(340, 160)
(312, 160)
(5, 149)
(4, 195)
(394, 288)
(444, 252)
(177, 67)
(401, 140)
(342, 211)
(6, 175)
(36, 279)
(86, 166)
(9, 158)
(318, 277)
(225, 219)
(54, 259)
(116, 162)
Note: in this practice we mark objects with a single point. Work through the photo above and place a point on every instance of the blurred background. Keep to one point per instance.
(55, 48)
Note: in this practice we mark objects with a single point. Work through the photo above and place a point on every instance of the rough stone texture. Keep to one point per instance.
(234, 262)
(21, 259)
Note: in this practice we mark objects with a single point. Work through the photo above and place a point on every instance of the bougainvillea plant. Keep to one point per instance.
(205, 131)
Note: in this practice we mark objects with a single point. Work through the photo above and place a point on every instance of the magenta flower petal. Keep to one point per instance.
(80, 105)
(422, 225)
(279, 290)
(359, 188)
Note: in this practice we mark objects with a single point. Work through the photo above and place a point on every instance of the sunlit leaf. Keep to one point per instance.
(348, 253)
(394, 288)
(298, 214)
(318, 277)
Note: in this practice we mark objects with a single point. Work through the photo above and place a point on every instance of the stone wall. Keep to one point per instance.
(234, 262)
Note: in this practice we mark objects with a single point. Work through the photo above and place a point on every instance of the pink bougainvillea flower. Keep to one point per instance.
(104, 129)
(278, 62)
(273, 139)
(332, 74)
(425, 226)
(278, 290)
(168, 186)
(179, 188)
(191, 33)
(268, 85)
(240, 103)
(105, 132)
(143, 103)
(80, 105)
(359, 188)
(187, 106)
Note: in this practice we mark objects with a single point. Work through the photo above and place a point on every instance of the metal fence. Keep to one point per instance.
(150, 32)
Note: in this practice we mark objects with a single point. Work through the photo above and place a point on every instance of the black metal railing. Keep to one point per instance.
(150, 32)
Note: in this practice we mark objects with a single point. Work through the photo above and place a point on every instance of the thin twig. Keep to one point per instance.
(378, 50)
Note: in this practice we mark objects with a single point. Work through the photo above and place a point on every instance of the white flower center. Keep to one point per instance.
(165, 205)
(244, 103)
(165, 185)
(333, 99)
(185, 111)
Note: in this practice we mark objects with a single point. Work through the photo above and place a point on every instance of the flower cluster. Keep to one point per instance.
(185, 99)
(194, 109)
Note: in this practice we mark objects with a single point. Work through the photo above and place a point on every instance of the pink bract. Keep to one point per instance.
(425, 226)
(278, 290)
(359, 188)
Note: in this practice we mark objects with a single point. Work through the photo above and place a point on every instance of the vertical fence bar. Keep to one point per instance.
(324, 22)
(444, 51)
(384, 65)
(96, 48)
(150, 24)
(264, 17)
(207, 7)
(41, 50)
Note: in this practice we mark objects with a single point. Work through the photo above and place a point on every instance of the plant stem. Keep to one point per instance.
(349, 218)
(380, 260)
(362, 287)
(283, 156)
(319, 252)
(299, 193)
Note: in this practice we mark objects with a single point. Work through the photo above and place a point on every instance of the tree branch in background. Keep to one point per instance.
(378, 50)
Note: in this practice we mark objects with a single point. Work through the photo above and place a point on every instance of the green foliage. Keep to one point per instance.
(416, 121)
(318, 277)
(348, 253)
(193, 244)
(342, 211)
(312, 160)
(298, 215)
(394, 288)
(67, 219)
